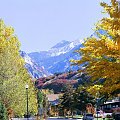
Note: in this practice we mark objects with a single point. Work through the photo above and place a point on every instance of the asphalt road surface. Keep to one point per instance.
(62, 119)
(46, 119)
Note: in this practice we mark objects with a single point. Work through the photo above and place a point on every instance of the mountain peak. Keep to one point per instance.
(61, 44)
(57, 59)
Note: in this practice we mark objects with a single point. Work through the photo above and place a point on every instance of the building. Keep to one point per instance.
(53, 101)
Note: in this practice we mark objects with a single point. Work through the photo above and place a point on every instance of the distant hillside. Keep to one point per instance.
(57, 82)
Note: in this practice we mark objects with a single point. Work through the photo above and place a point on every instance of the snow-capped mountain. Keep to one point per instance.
(57, 59)
(64, 47)
(33, 68)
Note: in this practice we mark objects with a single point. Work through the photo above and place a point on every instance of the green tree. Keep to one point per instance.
(13, 75)
(45, 105)
(82, 97)
(76, 99)
(67, 99)
(3, 112)
(40, 98)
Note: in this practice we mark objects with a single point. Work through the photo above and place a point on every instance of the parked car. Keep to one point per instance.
(116, 116)
(98, 114)
(88, 117)
(101, 114)
(108, 114)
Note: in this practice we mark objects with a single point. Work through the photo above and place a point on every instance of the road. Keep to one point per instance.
(62, 119)
(46, 119)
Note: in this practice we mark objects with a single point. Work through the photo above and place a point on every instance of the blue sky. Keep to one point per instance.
(40, 24)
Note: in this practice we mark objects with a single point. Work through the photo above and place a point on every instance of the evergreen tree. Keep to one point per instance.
(76, 99)
(82, 98)
(67, 99)
(40, 98)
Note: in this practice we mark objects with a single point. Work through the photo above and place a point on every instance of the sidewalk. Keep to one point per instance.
(23, 119)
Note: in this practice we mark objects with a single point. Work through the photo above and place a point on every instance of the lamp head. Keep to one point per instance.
(26, 86)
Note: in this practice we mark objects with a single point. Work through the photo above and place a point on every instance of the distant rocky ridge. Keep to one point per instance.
(57, 59)
(33, 68)
(58, 82)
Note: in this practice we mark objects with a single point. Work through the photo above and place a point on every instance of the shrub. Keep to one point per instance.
(3, 112)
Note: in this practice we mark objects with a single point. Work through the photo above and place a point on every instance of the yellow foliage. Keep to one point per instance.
(102, 53)
(13, 75)
(95, 90)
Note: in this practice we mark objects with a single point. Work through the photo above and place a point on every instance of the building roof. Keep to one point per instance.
(53, 97)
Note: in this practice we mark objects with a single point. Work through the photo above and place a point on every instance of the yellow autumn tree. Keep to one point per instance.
(13, 75)
(101, 53)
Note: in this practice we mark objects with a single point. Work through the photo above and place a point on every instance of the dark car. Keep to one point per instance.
(88, 117)
(116, 116)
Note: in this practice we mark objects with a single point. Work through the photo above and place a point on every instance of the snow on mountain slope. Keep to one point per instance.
(33, 68)
(54, 51)
(57, 59)
(61, 44)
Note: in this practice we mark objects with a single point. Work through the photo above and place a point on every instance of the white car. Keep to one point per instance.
(105, 114)
(98, 114)
(88, 116)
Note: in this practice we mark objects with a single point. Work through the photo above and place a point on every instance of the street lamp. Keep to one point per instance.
(26, 86)
(97, 107)
(118, 2)
(97, 101)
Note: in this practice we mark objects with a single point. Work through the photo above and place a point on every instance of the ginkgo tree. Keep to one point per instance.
(13, 75)
(95, 90)
(101, 53)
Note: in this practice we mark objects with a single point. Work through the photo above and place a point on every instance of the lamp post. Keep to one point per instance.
(26, 86)
(97, 107)
(97, 101)
(118, 5)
